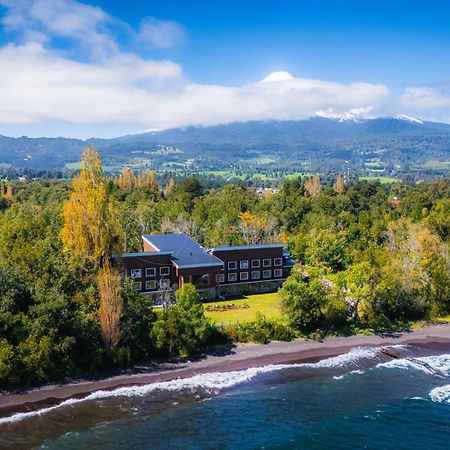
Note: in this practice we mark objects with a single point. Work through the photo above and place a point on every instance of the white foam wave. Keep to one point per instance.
(205, 381)
(208, 381)
(441, 394)
(353, 357)
(434, 365)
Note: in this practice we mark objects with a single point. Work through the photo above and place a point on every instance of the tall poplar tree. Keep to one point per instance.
(90, 232)
(111, 306)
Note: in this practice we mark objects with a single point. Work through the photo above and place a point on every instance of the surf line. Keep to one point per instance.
(425, 365)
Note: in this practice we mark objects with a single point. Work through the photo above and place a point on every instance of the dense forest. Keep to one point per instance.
(369, 257)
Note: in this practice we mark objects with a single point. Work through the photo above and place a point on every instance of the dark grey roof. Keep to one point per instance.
(130, 255)
(246, 247)
(186, 253)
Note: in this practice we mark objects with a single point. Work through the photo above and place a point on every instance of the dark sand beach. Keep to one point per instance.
(224, 360)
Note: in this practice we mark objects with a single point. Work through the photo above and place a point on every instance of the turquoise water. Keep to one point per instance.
(359, 400)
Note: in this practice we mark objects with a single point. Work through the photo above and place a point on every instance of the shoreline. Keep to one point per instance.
(240, 357)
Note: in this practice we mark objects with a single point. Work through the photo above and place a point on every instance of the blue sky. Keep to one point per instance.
(396, 42)
(106, 68)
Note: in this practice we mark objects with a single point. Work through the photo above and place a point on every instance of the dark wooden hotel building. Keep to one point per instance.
(179, 259)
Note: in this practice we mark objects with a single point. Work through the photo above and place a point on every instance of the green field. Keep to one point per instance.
(77, 166)
(267, 304)
(295, 175)
(223, 173)
(263, 160)
(73, 166)
(436, 165)
(382, 180)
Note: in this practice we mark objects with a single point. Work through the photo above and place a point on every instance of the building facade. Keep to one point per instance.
(176, 259)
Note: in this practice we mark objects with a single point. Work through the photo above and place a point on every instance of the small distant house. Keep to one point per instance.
(234, 269)
(395, 202)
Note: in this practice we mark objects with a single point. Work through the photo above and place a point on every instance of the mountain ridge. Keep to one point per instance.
(318, 138)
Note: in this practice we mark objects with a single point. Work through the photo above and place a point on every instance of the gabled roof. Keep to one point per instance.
(186, 253)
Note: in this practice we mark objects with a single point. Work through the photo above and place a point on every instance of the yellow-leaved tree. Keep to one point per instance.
(312, 186)
(91, 235)
(91, 232)
(111, 306)
(339, 186)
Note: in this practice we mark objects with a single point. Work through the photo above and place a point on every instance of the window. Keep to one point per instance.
(137, 286)
(150, 272)
(267, 273)
(243, 275)
(256, 263)
(277, 273)
(278, 261)
(267, 262)
(221, 278)
(135, 273)
(232, 277)
(150, 285)
(256, 275)
(243, 264)
(164, 271)
(232, 265)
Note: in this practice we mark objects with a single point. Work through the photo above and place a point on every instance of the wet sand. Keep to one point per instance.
(236, 358)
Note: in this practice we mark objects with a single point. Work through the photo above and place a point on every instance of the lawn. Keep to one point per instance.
(263, 160)
(295, 175)
(267, 304)
(382, 180)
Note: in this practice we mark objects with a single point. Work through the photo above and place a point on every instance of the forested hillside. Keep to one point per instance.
(364, 262)
(384, 146)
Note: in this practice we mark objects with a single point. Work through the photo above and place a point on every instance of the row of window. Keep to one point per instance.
(149, 272)
(243, 276)
(149, 285)
(255, 275)
(232, 265)
(256, 263)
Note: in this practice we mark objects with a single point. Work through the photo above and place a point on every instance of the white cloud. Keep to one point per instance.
(47, 86)
(85, 24)
(39, 84)
(160, 33)
(432, 103)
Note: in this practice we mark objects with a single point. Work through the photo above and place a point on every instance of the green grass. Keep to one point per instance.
(263, 160)
(267, 304)
(382, 180)
(261, 176)
(295, 175)
(73, 166)
(227, 174)
(436, 165)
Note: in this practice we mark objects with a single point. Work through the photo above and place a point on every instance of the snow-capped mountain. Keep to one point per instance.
(407, 118)
(361, 116)
(349, 116)
(148, 131)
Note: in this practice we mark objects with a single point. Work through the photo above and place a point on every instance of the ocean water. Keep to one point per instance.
(362, 399)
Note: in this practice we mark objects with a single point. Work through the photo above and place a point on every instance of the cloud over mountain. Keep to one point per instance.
(43, 78)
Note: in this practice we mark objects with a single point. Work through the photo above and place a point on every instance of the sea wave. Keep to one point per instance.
(435, 365)
(441, 394)
(352, 358)
(211, 382)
